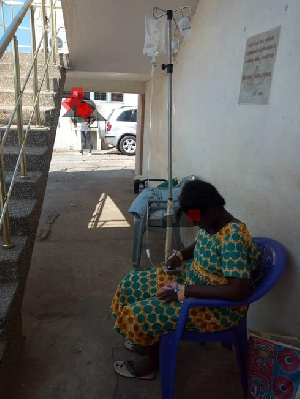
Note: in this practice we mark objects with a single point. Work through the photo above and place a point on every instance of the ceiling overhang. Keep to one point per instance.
(106, 40)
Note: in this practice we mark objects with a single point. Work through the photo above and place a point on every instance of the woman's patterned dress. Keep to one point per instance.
(142, 318)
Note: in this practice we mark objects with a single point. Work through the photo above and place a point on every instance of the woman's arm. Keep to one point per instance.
(186, 254)
(237, 289)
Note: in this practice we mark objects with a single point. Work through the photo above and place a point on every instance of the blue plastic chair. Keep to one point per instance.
(266, 276)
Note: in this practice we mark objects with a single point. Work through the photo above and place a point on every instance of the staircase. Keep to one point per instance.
(27, 198)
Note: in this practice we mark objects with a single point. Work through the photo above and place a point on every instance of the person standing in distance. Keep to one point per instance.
(86, 134)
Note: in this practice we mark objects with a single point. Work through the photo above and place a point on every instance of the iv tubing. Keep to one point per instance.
(153, 69)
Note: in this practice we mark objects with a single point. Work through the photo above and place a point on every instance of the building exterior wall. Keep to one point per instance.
(249, 151)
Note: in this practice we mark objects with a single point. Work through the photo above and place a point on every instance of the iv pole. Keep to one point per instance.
(169, 68)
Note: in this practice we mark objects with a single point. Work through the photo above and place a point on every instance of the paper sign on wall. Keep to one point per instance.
(259, 60)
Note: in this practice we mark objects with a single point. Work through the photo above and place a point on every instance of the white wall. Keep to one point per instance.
(66, 137)
(250, 152)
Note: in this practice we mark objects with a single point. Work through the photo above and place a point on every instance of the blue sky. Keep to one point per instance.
(22, 34)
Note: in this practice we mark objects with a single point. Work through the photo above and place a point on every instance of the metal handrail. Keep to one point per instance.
(14, 175)
(11, 3)
(11, 30)
(2, 142)
(9, 36)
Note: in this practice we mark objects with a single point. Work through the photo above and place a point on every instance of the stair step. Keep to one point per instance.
(4, 374)
(11, 339)
(26, 188)
(7, 97)
(37, 158)
(23, 57)
(7, 68)
(14, 262)
(8, 292)
(24, 210)
(38, 137)
(10, 352)
(6, 111)
(2, 350)
(22, 216)
(7, 82)
(62, 59)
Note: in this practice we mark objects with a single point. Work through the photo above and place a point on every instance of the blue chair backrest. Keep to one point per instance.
(270, 268)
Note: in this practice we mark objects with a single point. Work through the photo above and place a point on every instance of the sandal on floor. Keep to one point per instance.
(126, 369)
(134, 348)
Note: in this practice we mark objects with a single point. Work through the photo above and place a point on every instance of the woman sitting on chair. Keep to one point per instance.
(217, 265)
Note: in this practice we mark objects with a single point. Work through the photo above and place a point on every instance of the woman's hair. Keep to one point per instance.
(200, 195)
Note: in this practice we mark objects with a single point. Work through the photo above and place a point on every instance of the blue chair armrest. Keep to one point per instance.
(208, 302)
(194, 303)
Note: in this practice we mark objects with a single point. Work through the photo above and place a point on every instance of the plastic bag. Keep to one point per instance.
(185, 27)
(154, 36)
(175, 46)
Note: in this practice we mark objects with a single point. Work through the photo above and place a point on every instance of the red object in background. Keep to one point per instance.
(84, 110)
(108, 126)
(194, 215)
(74, 99)
(75, 102)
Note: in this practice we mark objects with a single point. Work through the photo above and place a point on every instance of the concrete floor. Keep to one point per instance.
(83, 251)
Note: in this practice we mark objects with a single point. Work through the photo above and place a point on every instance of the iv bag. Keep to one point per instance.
(185, 27)
(154, 36)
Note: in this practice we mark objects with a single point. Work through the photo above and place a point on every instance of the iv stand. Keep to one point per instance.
(169, 68)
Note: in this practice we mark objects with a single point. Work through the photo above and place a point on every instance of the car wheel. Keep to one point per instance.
(128, 145)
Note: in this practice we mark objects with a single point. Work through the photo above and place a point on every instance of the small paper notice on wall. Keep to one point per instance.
(259, 61)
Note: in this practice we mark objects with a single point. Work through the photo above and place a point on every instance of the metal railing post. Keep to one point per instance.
(53, 16)
(45, 36)
(3, 18)
(35, 74)
(7, 243)
(12, 28)
(19, 108)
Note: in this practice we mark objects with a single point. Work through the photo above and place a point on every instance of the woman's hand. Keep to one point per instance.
(173, 262)
(168, 293)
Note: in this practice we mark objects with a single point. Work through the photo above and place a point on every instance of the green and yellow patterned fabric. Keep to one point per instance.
(142, 318)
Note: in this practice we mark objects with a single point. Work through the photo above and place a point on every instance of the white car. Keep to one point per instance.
(121, 129)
